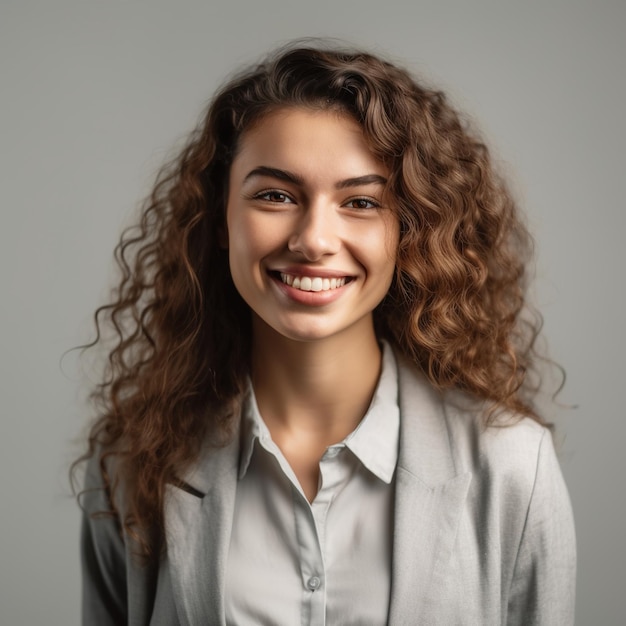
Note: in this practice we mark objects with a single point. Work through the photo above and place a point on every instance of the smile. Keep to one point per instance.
(312, 283)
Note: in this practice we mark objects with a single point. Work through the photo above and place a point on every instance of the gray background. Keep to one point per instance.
(95, 94)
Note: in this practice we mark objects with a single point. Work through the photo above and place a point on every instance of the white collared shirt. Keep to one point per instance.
(327, 562)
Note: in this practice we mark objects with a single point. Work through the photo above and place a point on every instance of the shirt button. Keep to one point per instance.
(331, 453)
(313, 583)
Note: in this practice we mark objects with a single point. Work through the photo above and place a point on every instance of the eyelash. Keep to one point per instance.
(264, 196)
(374, 204)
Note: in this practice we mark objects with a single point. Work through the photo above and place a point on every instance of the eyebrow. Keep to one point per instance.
(290, 177)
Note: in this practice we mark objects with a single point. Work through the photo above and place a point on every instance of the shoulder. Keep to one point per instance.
(509, 449)
(515, 522)
(451, 425)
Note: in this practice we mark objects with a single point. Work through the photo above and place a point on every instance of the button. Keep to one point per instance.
(313, 583)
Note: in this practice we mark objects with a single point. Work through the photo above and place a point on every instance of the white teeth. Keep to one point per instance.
(315, 283)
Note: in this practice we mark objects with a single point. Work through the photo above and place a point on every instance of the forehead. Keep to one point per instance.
(316, 143)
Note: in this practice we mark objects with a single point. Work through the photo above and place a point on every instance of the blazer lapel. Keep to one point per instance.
(198, 532)
(429, 500)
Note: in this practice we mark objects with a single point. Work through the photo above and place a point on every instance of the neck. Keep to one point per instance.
(321, 389)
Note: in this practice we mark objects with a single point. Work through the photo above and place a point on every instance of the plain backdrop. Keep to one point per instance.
(95, 94)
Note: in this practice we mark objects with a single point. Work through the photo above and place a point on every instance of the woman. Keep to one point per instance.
(318, 409)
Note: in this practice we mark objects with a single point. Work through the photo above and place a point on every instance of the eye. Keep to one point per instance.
(362, 203)
(272, 195)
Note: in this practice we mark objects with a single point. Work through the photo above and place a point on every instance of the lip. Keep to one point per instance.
(309, 298)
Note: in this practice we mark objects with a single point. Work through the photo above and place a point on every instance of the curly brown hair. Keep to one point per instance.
(183, 333)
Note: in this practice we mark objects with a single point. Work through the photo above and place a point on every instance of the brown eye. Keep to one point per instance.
(363, 203)
(274, 196)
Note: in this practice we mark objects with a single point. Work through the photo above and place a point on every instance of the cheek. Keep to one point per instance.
(382, 246)
(253, 237)
(241, 231)
(388, 253)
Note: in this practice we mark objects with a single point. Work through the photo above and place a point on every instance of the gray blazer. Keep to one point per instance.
(483, 530)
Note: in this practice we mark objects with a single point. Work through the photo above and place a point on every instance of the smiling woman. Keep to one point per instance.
(305, 206)
(320, 408)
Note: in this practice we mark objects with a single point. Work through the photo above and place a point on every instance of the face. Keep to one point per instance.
(312, 245)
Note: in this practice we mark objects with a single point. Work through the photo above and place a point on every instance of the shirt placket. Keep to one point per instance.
(311, 531)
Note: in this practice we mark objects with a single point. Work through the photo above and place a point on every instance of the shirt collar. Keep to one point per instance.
(374, 441)
(252, 428)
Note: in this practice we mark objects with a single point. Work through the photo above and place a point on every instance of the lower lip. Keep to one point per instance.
(310, 298)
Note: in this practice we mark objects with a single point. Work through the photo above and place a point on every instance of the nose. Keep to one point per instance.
(316, 233)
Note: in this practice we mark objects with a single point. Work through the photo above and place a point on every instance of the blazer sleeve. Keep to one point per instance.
(103, 556)
(544, 578)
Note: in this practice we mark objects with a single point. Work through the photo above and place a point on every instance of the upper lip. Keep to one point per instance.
(312, 272)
